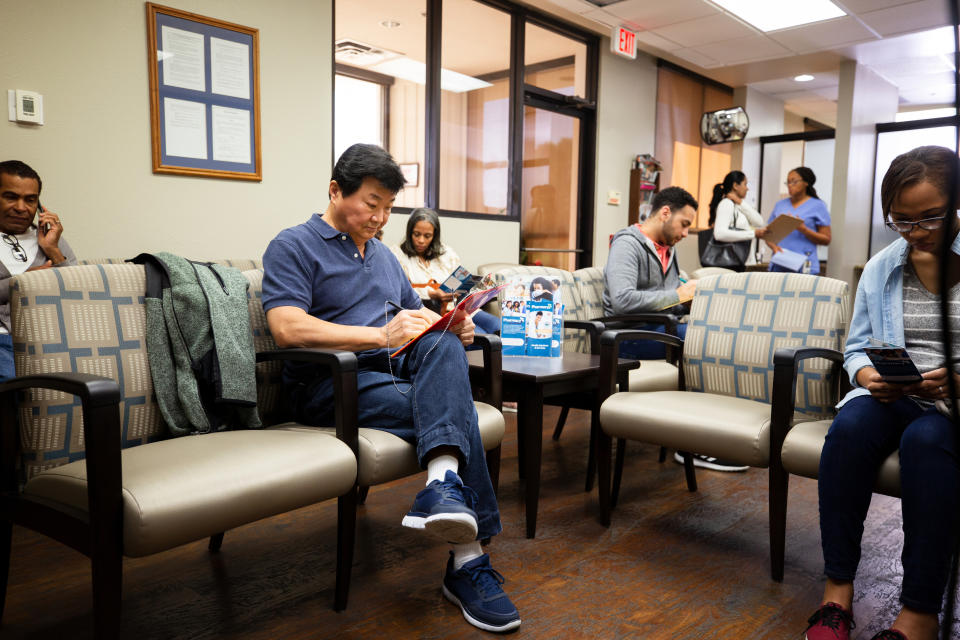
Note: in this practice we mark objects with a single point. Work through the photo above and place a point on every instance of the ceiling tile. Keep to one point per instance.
(905, 18)
(654, 40)
(911, 83)
(941, 94)
(932, 42)
(862, 6)
(823, 35)
(697, 58)
(601, 16)
(715, 28)
(907, 68)
(748, 49)
(789, 85)
(649, 14)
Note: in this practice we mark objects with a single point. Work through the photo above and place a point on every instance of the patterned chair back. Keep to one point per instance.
(92, 319)
(269, 381)
(243, 264)
(590, 284)
(87, 319)
(738, 321)
(573, 340)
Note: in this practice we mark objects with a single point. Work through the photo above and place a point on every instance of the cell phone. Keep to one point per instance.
(40, 209)
(893, 364)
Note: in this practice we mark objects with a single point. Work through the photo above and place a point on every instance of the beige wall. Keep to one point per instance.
(89, 60)
(864, 100)
(766, 119)
(475, 241)
(626, 122)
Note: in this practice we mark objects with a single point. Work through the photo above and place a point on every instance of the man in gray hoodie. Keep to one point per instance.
(642, 274)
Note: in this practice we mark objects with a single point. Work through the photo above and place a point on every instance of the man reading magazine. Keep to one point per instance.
(330, 283)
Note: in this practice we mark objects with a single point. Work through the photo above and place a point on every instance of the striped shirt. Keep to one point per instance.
(921, 324)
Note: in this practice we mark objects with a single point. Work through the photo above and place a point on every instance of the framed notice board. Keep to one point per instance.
(204, 95)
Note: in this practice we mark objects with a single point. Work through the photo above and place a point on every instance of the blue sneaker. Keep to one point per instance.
(475, 588)
(445, 510)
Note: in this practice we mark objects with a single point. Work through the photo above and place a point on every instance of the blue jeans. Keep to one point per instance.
(432, 408)
(486, 322)
(6, 356)
(862, 435)
(649, 349)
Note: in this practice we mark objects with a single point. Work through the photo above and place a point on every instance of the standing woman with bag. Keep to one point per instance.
(734, 222)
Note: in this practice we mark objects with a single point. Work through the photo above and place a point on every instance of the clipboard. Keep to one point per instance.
(455, 316)
(782, 226)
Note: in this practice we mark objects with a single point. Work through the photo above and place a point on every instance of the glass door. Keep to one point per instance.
(551, 168)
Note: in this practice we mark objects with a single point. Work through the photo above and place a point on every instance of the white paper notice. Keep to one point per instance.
(182, 55)
(230, 68)
(185, 126)
(231, 134)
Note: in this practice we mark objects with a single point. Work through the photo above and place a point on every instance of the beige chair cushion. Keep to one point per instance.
(654, 375)
(703, 272)
(385, 457)
(184, 489)
(801, 456)
(730, 428)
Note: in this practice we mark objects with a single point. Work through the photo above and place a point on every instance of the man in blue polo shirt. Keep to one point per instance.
(330, 283)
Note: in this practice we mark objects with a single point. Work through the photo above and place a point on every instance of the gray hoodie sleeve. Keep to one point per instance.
(630, 285)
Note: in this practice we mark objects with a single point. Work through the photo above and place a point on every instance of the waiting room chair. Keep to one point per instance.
(90, 463)
(382, 456)
(803, 443)
(727, 404)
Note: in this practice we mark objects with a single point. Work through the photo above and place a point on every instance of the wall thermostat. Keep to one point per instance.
(27, 106)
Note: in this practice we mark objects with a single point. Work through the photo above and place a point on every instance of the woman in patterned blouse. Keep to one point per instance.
(427, 262)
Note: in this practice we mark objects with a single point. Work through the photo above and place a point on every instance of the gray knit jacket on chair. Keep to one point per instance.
(199, 344)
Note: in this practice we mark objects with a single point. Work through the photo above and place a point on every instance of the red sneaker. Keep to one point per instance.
(830, 622)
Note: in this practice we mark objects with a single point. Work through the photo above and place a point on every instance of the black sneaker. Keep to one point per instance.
(709, 462)
(475, 588)
(889, 634)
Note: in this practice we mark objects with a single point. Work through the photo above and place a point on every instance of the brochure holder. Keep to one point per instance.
(531, 317)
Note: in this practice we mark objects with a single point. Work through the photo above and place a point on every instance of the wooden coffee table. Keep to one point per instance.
(531, 380)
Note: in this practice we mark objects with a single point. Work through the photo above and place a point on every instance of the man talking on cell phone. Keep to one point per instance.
(30, 242)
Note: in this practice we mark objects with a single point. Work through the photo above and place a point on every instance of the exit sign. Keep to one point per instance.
(624, 42)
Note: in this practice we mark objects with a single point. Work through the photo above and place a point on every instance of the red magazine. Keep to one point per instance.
(455, 316)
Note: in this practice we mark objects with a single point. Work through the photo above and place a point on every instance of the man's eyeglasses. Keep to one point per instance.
(18, 253)
(927, 224)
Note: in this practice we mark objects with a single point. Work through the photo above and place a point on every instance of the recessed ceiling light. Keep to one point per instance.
(804, 77)
(770, 16)
(389, 24)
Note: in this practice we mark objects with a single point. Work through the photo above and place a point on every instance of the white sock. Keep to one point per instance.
(437, 467)
(464, 553)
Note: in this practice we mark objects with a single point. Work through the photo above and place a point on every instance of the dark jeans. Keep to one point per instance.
(863, 434)
(486, 322)
(426, 401)
(6, 356)
(649, 349)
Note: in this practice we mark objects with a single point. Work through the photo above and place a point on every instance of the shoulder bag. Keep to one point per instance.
(729, 255)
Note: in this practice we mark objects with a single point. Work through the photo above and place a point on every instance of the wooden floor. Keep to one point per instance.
(672, 565)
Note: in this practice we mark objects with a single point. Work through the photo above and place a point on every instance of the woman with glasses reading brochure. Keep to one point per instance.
(897, 303)
(29, 242)
(803, 203)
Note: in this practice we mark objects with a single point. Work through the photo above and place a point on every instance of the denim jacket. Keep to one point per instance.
(878, 309)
